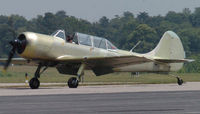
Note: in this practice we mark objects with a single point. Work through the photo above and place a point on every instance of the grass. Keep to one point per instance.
(16, 74)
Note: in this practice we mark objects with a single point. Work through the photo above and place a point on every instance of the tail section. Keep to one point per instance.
(169, 50)
(169, 47)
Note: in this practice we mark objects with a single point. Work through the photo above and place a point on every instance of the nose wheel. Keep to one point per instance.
(34, 83)
(73, 82)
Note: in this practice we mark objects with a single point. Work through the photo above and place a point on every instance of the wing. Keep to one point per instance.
(103, 65)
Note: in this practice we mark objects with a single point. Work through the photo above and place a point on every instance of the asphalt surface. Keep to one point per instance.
(109, 103)
(18, 89)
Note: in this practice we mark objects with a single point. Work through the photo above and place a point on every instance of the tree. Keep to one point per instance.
(104, 21)
(61, 14)
(5, 36)
(186, 12)
(175, 17)
(143, 17)
(195, 17)
(146, 35)
(128, 16)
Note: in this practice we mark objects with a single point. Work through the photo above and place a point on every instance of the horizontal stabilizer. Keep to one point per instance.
(174, 60)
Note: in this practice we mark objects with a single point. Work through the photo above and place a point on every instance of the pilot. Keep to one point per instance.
(69, 39)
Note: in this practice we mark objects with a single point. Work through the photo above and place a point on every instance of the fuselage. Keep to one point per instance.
(45, 47)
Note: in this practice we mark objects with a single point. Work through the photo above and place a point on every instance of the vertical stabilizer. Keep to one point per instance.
(169, 47)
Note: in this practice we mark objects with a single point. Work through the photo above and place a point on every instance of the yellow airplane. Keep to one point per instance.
(81, 51)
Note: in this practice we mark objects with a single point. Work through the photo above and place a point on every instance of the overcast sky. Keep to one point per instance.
(92, 10)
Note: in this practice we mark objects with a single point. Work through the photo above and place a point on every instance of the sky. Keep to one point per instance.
(93, 10)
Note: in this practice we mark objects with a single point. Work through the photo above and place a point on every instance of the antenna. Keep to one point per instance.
(135, 46)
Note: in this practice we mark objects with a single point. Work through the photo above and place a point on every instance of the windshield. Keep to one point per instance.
(59, 33)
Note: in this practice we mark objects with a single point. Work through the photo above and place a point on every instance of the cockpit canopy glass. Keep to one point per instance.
(99, 42)
(93, 41)
(84, 39)
(110, 45)
(59, 33)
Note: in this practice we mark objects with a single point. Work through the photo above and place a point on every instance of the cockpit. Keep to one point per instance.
(93, 41)
(85, 39)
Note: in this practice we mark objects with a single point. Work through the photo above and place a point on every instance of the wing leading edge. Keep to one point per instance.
(113, 61)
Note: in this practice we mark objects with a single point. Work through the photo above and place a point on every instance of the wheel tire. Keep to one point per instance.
(34, 83)
(179, 81)
(73, 82)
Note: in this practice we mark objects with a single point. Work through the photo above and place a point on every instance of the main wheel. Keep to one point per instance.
(34, 83)
(73, 82)
(179, 81)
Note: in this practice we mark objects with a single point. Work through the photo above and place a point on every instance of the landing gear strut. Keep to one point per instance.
(73, 82)
(34, 83)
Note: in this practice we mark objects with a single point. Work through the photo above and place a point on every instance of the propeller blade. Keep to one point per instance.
(14, 43)
(10, 56)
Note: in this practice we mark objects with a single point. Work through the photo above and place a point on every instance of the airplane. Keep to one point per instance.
(94, 53)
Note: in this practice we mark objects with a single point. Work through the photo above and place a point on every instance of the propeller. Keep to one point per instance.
(18, 45)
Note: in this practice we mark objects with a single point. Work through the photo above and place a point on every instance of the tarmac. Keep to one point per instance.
(104, 99)
(17, 89)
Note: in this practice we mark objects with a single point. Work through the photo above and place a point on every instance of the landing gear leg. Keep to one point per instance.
(34, 83)
(73, 82)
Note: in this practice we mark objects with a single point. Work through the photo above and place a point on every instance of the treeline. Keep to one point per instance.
(123, 30)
